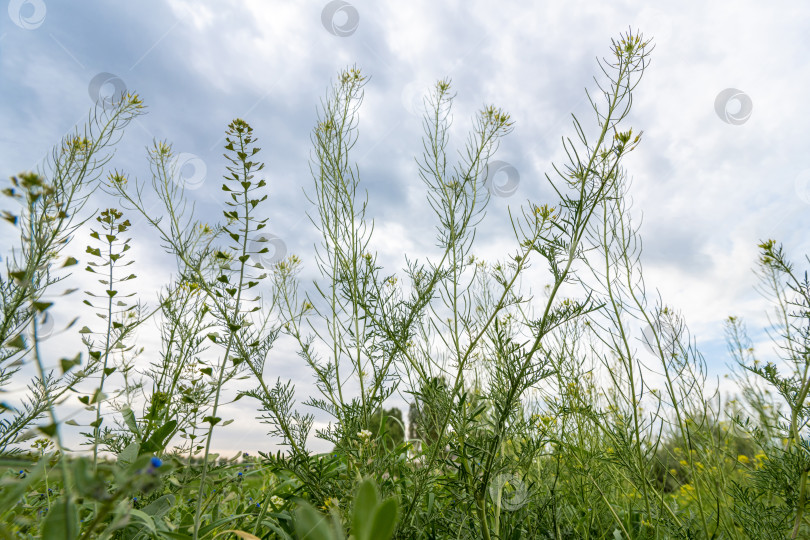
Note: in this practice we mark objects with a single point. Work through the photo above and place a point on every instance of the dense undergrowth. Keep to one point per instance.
(533, 415)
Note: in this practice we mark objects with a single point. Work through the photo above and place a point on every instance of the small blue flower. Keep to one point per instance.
(240, 474)
(258, 505)
(134, 499)
(156, 462)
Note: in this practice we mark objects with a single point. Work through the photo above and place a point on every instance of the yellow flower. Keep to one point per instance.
(687, 491)
(331, 502)
(742, 458)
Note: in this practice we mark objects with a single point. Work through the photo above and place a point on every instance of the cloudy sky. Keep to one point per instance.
(723, 163)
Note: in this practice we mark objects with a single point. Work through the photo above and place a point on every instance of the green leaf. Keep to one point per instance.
(241, 534)
(157, 442)
(128, 454)
(71, 261)
(11, 218)
(62, 521)
(385, 519)
(213, 420)
(311, 524)
(49, 430)
(144, 518)
(41, 306)
(160, 506)
(365, 503)
(207, 371)
(214, 525)
(17, 343)
(70, 363)
(129, 420)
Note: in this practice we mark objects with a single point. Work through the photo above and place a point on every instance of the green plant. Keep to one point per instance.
(372, 519)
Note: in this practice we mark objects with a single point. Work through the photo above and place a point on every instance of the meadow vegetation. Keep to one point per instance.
(545, 414)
